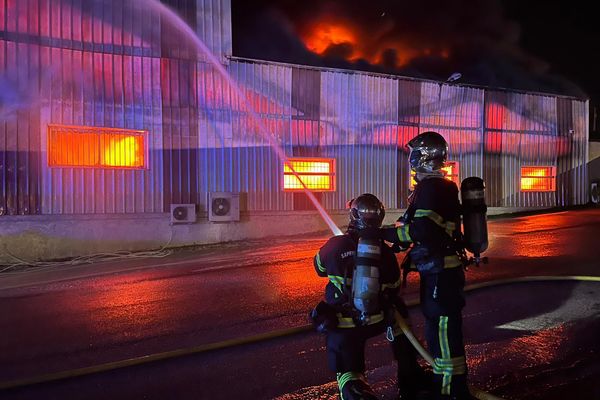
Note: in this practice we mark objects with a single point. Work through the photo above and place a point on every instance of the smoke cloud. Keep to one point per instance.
(420, 39)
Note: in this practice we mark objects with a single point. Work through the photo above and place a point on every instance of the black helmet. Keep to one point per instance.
(428, 152)
(366, 211)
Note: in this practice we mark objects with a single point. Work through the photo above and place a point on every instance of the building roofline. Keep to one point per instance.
(405, 78)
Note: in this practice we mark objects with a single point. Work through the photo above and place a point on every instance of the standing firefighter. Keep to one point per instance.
(432, 225)
(361, 300)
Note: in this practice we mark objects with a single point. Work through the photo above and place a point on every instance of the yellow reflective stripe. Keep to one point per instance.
(452, 261)
(373, 319)
(392, 285)
(445, 365)
(319, 265)
(450, 362)
(432, 215)
(347, 322)
(443, 336)
(451, 366)
(344, 378)
(448, 226)
(337, 281)
(445, 350)
(402, 233)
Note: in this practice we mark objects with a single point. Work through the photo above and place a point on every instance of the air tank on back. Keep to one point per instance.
(474, 209)
(365, 279)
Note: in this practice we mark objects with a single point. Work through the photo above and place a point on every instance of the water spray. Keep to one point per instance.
(180, 24)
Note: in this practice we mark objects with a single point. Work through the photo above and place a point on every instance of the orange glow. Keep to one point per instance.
(364, 44)
(318, 174)
(538, 179)
(122, 151)
(450, 172)
(325, 35)
(78, 146)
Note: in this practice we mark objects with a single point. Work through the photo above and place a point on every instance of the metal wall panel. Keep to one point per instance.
(522, 128)
(76, 63)
(457, 114)
(580, 154)
(237, 127)
(214, 26)
(106, 63)
(110, 96)
(359, 118)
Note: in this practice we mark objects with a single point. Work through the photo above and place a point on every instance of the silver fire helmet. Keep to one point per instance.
(428, 152)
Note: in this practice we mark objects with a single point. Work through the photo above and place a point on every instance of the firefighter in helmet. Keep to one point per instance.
(430, 227)
(349, 321)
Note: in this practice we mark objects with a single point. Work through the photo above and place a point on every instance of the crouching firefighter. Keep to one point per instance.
(431, 225)
(361, 302)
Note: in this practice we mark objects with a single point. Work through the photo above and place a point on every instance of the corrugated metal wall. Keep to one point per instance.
(234, 143)
(365, 120)
(457, 114)
(214, 26)
(67, 63)
(358, 120)
(103, 63)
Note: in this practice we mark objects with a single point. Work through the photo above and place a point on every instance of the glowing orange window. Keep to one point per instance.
(85, 146)
(318, 174)
(451, 170)
(538, 179)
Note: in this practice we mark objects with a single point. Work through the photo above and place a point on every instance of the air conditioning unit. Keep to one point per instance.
(595, 193)
(183, 213)
(223, 206)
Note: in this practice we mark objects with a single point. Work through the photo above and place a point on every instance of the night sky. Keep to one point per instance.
(539, 46)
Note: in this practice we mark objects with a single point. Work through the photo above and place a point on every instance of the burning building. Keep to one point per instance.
(118, 134)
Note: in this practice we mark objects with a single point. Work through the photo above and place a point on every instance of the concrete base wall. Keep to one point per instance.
(49, 237)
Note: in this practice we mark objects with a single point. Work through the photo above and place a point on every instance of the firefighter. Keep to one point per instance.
(431, 228)
(340, 316)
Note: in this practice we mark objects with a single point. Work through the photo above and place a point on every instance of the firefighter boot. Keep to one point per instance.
(353, 386)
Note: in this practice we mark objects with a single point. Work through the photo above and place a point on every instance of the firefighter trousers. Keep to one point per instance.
(442, 301)
(346, 352)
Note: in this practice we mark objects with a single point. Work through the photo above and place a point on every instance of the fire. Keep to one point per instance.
(377, 47)
(124, 151)
(325, 35)
(84, 146)
(318, 174)
(537, 179)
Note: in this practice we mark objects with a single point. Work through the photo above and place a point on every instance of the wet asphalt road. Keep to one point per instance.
(239, 290)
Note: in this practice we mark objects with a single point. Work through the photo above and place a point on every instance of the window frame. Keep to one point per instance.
(60, 129)
(551, 178)
(331, 174)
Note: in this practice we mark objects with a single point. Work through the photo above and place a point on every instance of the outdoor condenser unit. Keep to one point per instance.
(183, 213)
(223, 206)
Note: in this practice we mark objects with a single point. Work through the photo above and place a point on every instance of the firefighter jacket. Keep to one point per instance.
(432, 225)
(336, 261)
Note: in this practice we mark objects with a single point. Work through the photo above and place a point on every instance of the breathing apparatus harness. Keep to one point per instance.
(474, 239)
